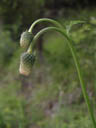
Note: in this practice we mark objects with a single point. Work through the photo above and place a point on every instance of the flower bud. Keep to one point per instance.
(26, 38)
(26, 63)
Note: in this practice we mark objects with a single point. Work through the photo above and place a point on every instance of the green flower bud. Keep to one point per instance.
(26, 63)
(26, 38)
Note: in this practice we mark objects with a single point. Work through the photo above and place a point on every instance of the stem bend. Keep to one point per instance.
(73, 51)
(57, 24)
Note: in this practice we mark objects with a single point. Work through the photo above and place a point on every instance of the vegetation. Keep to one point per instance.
(51, 96)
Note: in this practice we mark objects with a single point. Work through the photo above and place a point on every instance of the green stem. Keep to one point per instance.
(73, 51)
(44, 20)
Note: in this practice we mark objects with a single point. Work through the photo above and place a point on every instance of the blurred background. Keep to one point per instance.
(51, 96)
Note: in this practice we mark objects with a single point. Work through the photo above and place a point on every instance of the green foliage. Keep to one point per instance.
(58, 54)
(65, 118)
(16, 10)
(7, 47)
(11, 107)
(44, 108)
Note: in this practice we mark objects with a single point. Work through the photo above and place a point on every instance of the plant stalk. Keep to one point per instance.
(57, 24)
(73, 51)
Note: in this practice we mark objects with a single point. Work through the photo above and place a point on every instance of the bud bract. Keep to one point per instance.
(26, 63)
(26, 38)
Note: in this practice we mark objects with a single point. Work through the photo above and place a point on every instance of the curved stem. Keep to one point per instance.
(73, 51)
(44, 20)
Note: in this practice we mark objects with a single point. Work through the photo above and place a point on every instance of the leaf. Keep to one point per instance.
(76, 22)
(68, 27)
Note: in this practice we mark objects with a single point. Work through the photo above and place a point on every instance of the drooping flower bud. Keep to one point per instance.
(26, 63)
(26, 38)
